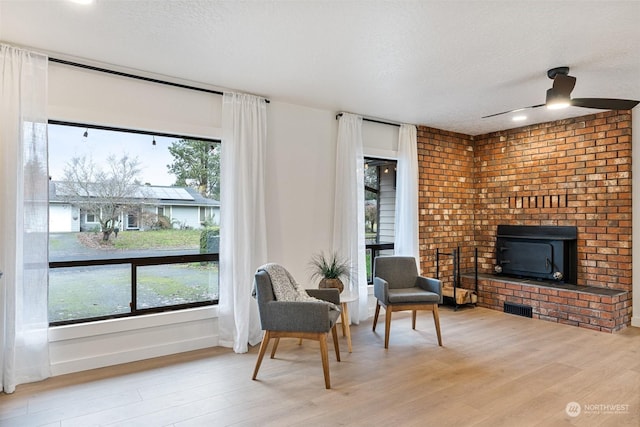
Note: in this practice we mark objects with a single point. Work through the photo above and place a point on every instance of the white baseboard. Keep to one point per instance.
(96, 361)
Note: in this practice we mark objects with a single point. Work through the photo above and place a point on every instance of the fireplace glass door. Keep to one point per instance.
(529, 257)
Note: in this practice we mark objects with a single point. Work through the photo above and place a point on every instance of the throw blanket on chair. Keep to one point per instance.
(285, 288)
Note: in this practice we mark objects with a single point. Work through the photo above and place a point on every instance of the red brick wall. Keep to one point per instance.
(579, 170)
(446, 196)
(570, 172)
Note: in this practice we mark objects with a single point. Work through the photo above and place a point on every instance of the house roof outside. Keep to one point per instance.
(149, 194)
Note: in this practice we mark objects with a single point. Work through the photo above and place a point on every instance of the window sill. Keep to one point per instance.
(111, 326)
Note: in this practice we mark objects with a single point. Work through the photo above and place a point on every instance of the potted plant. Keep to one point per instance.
(330, 270)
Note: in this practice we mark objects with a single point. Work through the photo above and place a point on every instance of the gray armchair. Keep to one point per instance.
(398, 287)
(303, 320)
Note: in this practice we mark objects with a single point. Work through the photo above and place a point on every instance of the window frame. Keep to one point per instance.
(373, 248)
(135, 262)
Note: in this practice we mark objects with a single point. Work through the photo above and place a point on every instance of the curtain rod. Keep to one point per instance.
(134, 76)
(136, 131)
(382, 122)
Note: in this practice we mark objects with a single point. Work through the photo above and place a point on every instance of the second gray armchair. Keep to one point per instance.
(397, 287)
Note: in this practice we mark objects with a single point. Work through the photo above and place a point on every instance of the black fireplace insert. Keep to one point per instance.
(538, 252)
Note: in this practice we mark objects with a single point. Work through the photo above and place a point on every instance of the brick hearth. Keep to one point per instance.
(585, 306)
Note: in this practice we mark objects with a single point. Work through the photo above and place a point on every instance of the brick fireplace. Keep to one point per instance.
(574, 172)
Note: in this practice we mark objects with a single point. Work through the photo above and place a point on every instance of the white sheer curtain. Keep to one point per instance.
(24, 189)
(406, 226)
(243, 241)
(348, 222)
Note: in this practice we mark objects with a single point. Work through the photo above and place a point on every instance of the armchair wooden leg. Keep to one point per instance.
(375, 316)
(336, 344)
(387, 325)
(436, 320)
(413, 318)
(275, 346)
(325, 359)
(263, 348)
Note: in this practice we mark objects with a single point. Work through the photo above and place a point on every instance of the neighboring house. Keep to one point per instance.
(183, 206)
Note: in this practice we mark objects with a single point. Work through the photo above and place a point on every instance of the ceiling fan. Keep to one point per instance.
(559, 96)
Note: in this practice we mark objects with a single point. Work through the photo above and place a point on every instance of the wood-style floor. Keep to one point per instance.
(495, 369)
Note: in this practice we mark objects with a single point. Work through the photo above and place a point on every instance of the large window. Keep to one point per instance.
(379, 208)
(134, 222)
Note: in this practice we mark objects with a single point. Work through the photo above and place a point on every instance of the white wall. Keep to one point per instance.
(90, 97)
(380, 140)
(300, 185)
(299, 199)
(301, 181)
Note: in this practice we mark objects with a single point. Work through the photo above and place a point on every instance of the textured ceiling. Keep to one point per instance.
(443, 64)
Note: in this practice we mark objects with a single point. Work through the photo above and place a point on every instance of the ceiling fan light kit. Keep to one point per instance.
(559, 96)
(556, 101)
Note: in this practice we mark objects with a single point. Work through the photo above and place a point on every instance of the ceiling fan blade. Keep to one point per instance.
(563, 84)
(513, 111)
(604, 103)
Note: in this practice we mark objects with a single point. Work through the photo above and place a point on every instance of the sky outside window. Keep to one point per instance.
(66, 142)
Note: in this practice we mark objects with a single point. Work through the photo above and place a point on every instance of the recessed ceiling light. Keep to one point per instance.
(519, 118)
(85, 2)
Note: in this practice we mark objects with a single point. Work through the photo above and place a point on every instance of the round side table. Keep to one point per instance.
(346, 297)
